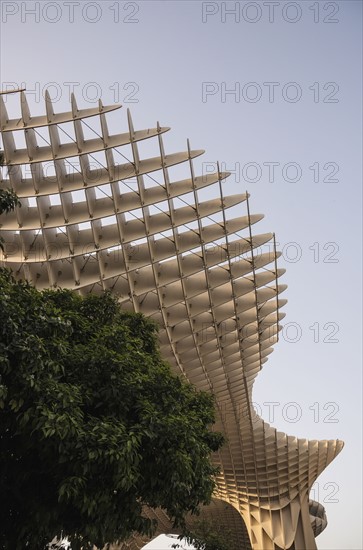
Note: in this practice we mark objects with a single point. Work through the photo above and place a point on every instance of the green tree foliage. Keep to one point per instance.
(93, 424)
(205, 535)
(8, 199)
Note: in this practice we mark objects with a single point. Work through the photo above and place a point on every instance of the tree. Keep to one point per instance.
(8, 199)
(93, 424)
(205, 535)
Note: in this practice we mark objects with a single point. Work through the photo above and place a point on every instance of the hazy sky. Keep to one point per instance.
(273, 91)
(164, 541)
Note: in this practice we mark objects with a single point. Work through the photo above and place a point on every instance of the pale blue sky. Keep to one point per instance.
(175, 61)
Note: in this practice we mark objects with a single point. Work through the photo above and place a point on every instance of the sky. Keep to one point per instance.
(271, 90)
(166, 542)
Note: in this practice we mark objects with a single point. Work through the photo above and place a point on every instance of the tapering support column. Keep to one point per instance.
(276, 527)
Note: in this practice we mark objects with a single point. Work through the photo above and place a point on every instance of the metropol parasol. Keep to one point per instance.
(97, 215)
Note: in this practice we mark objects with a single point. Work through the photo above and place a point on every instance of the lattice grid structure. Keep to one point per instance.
(125, 224)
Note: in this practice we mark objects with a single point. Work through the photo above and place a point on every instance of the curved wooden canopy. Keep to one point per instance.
(190, 260)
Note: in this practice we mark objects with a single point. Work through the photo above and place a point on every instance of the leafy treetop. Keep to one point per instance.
(8, 201)
(93, 424)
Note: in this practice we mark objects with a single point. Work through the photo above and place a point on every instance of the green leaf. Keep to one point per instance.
(94, 424)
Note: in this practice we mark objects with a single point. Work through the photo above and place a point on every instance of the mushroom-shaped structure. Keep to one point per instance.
(97, 216)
